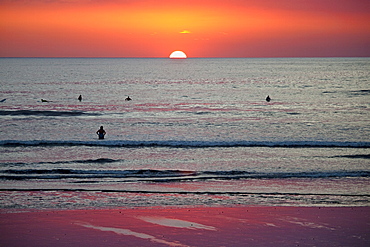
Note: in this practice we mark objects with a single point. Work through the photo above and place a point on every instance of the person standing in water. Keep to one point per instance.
(101, 132)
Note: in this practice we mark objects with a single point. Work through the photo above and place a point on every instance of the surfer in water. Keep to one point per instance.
(268, 99)
(101, 132)
(128, 98)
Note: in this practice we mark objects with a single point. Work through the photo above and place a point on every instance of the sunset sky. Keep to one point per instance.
(200, 28)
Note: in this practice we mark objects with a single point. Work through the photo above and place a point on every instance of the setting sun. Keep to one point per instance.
(178, 54)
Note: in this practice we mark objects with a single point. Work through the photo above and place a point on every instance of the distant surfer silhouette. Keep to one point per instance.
(80, 97)
(128, 98)
(101, 132)
(268, 99)
(44, 100)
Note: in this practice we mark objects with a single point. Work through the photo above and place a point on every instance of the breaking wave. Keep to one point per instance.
(149, 175)
(188, 144)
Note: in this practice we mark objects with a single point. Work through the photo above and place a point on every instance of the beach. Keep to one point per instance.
(188, 226)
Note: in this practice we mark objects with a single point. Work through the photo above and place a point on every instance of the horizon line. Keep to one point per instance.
(185, 58)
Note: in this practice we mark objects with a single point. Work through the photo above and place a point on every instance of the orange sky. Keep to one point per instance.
(200, 28)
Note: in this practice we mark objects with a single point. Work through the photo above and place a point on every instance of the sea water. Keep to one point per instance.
(197, 131)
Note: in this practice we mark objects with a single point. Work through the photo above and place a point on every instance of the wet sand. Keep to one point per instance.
(190, 226)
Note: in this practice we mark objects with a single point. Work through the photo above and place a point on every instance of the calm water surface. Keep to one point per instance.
(197, 132)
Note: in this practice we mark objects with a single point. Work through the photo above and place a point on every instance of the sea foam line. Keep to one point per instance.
(163, 176)
(230, 193)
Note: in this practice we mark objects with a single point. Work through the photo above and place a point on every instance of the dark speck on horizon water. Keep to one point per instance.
(196, 132)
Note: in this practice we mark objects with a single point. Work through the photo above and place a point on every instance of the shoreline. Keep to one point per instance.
(187, 226)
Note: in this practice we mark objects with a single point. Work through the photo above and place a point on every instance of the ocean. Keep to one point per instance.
(197, 131)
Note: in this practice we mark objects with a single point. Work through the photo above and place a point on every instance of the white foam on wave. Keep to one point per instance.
(185, 144)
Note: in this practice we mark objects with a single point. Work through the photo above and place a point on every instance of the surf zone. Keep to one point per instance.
(188, 144)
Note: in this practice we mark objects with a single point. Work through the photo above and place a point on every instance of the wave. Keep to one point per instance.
(354, 156)
(100, 161)
(44, 113)
(187, 144)
(149, 175)
(360, 92)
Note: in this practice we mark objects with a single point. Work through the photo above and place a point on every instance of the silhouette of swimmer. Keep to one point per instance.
(44, 100)
(128, 98)
(80, 97)
(101, 132)
(268, 99)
